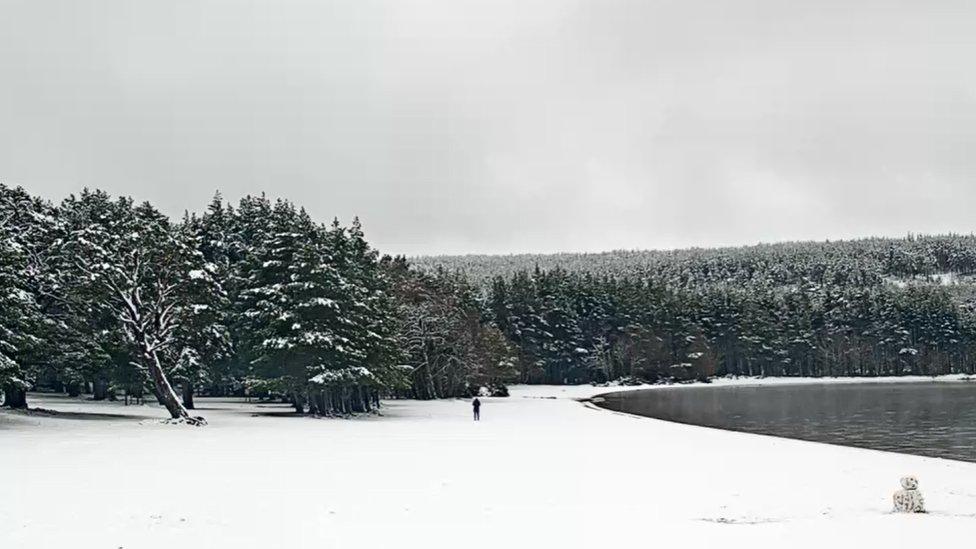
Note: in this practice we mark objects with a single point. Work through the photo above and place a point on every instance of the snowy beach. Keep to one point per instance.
(540, 470)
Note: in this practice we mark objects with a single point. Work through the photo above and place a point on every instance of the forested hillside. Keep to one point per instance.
(109, 297)
(866, 307)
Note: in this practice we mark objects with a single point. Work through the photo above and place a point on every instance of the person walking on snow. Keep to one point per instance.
(476, 404)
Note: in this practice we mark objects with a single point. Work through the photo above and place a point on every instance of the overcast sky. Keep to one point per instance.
(454, 126)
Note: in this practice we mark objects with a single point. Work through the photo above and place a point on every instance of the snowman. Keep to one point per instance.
(909, 499)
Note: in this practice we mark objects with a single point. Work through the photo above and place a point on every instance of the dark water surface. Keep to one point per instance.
(926, 419)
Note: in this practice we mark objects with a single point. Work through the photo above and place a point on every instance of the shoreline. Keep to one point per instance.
(586, 391)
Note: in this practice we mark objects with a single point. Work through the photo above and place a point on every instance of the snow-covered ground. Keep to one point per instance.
(536, 472)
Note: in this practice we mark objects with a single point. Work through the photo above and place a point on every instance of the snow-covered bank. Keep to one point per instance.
(589, 391)
(751, 381)
(536, 472)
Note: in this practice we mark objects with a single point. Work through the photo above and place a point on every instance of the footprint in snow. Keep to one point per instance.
(741, 520)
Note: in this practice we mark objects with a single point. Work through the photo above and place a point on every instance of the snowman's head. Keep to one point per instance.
(909, 483)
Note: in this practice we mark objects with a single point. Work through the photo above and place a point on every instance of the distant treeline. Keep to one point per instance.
(851, 308)
(109, 297)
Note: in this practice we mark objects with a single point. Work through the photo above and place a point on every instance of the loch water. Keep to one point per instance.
(935, 419)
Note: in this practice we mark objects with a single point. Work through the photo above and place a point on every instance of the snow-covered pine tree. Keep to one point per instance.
(273, 292)
(18, 310)
(32, 333)
(330, 308)
(368, 357)
(130, 263)
(203, 339)
(320, 315)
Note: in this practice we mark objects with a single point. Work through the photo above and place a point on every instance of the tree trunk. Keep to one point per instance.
(165, 393)
(15, 397)
(188, 395)
(298, 401)
(356, 400)
(73, 389)
(100, 389)
(364, 398)
(320, 403)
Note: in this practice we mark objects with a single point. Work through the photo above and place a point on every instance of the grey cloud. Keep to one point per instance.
(474, 126)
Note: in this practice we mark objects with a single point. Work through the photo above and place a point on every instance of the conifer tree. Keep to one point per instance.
(130, 263)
